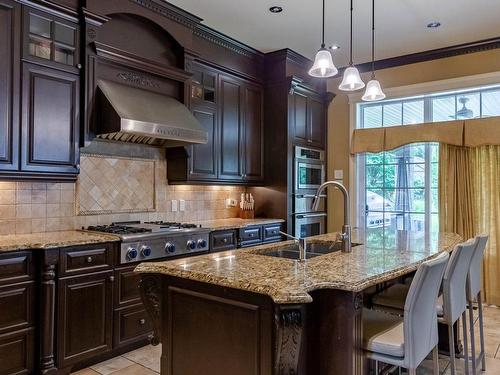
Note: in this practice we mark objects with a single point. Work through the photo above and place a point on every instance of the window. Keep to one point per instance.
(398, 189)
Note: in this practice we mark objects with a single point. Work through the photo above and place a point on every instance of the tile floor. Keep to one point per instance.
(146, 360)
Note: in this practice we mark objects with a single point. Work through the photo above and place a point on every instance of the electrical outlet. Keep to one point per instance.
(174, 205)
(182, 205)
(231, 203)
(338, 174)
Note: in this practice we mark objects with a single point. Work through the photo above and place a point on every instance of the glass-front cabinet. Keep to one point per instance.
(50, 40)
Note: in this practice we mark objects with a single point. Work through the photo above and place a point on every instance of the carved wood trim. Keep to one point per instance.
(170, 11)
(47, 312)
(289, 327)
(128, 59)
(151, 292)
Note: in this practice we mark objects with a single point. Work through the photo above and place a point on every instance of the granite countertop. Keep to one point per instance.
(49, 240)
(236, 223)
(384, 255)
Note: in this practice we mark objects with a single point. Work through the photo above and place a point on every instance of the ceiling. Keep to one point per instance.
(400, 24)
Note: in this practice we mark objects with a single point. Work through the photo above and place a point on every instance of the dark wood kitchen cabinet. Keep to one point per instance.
(10, 27)
(231, 126)
(203, 160)
(232, 112)
(85, 317)
(17, 311)
(308, 118)
(39, 94)
(50, 125)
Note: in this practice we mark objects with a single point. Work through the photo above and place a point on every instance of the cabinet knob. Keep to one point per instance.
(79, 66)
(89, 260)
(111, 278)
(252, 234)
(309, 140)
(142, 321)
(224, 240)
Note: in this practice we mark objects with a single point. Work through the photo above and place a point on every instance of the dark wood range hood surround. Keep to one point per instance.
(133, 57)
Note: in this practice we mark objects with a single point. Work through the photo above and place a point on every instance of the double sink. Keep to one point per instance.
(313, 249)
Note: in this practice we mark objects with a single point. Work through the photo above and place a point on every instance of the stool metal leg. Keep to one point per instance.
(482, 354)
(451, 345)
(466, 345)
(412, 372)
(435, 360)
(472, 337)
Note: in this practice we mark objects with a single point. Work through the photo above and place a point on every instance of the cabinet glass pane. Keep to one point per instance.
(39, 48)
(208, 81)
(64, 55)
(209, 95)
(39, 26)
(196, 92)
(197, 77)
(64, 34)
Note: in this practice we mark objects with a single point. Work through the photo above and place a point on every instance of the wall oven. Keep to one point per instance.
(309, 168)
(309, 175)
(310, 224)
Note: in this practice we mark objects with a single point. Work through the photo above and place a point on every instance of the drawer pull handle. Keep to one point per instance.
(142, 321)
(111, 278)
(89, 260)
(224, 240)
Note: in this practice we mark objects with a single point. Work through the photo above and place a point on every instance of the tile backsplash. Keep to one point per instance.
(27, 207)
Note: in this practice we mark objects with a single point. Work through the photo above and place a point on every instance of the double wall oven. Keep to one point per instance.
(309, 174)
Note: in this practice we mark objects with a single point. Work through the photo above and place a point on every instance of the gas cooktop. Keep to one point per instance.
(156, 239)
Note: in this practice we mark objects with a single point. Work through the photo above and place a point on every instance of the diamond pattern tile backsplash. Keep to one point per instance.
(112, 185)
(109, 189)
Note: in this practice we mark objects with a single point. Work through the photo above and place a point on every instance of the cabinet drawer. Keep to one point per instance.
(15, 267)
(16, 307)
(131, 324)
(86, 259)
(272, 232)
(223, 240)
(127, 287)
(16, 352)
(250, 236)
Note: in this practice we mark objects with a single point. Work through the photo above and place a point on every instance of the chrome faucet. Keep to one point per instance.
(346, 228)
(302, 245)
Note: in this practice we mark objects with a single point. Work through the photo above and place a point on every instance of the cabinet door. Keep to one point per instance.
(85, 317)
(253, 158)
(230, 128)
(203, 160)
(50, 120)
(316, 123)
(299, 105)
(10, 30)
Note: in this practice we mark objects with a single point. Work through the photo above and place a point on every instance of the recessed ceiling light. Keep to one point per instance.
(334, 47)
(276, 9)
(433, 25)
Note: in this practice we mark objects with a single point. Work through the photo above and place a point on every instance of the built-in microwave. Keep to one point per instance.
(309, 168)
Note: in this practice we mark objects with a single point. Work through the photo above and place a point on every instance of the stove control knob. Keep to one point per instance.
(169, 247)
(145, 251)
(202, 243)
(191, 245)
(131, 253)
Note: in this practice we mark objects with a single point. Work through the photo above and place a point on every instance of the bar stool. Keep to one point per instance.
(406, 342)
(451, 304)
(474, 283)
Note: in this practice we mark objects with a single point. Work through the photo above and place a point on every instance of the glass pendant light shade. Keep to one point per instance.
(323, 66)
(352, 81)
(373, 91)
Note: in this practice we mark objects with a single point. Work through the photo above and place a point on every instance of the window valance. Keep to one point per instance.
(469, 133)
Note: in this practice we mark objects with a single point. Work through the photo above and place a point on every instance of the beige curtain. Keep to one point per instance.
(486, 175)
(456, 190)
(469, 203)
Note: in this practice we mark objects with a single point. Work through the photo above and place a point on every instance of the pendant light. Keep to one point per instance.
(323, 66)
(352, 81)
(373, 90)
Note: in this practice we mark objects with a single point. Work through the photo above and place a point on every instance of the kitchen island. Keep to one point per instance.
(246, 312)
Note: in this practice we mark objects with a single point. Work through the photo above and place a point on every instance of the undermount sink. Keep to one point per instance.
(314, 249)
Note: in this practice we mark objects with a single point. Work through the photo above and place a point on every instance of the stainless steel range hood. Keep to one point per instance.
(129, 114)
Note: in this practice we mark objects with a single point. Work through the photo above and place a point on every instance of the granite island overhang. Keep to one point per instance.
(272, 315)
